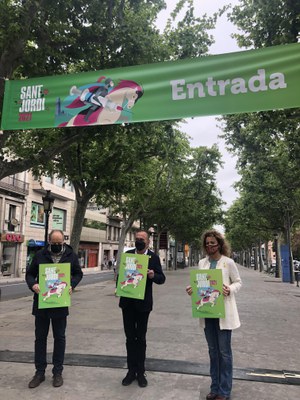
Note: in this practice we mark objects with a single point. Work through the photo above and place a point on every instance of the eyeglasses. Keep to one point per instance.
(211, 244)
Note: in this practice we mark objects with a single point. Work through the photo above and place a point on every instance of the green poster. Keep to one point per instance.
(132, 276)
(245, 81)
(54, 282)
(207, 297)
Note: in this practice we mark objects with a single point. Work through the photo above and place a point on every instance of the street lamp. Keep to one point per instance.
(48, 201)
(276, 236)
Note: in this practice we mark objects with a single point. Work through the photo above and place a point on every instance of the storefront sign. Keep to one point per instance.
(35, 243)
(12, 237)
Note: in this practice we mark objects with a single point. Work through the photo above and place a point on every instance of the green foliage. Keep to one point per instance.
(90, 223)
(48, 37)
(266, 143)
(266, 23)
(137, 170)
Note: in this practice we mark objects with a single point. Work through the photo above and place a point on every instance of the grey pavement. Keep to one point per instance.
(266, 347)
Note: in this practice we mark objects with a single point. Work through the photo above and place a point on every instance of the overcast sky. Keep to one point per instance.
(203, 130)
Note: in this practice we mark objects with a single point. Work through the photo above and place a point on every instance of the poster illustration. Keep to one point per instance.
(54, 282)
(207, 297)
(132, 276)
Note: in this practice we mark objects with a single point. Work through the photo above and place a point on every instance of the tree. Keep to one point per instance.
(48, 37)
(267, 142)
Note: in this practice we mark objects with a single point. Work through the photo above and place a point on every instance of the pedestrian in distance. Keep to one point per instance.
(56, 252)
(218, 331)
(136, 314)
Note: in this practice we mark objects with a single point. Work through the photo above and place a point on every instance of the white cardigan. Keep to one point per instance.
(231, 278)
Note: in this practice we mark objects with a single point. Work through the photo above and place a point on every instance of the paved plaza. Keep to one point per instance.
(266, 347)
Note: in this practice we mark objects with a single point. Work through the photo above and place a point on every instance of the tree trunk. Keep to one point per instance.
(125, 226)
(81, 207)
(260, 257)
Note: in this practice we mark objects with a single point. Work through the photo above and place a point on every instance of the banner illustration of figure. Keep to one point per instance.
(100, 103)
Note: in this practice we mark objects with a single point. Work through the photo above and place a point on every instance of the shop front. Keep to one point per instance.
(88, 254)
(33, 246)
(10, 251)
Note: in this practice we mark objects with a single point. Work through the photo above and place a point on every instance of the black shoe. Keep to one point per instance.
(36, 381)
(211, 396)
(129, 378)
(142, 381)
(57, 381)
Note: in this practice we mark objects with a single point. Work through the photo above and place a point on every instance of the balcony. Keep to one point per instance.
(14, 185)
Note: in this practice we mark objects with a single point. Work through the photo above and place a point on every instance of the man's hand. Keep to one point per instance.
(70, 290)
(150, 273)
(36, 288)
(189, 290)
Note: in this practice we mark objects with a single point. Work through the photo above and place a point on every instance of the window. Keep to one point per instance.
(58, 219)
(60, 182)
(49, 179)
(37, 214)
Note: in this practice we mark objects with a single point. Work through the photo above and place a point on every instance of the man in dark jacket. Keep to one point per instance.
(136, 313)
(56, 252)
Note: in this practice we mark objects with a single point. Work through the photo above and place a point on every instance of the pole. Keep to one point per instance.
(288, 234)
(277, 258)
(46, 228)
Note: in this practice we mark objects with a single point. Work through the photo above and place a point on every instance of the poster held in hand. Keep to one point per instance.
(207, 297)
(132, 276)
(54, 282)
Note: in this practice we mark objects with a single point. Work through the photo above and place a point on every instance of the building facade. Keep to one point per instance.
(23, 223)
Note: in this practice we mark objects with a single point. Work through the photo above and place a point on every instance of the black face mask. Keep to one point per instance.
(56, 248)
(140, 245)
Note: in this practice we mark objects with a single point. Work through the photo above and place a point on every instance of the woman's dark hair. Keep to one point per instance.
(224, 247)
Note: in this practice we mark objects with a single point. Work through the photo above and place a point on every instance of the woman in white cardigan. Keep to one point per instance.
(218, 331)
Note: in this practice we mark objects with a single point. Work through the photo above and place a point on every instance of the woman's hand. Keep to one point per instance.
(226, 290)
(189, 290)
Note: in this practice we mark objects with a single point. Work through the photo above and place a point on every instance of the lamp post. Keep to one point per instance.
(48, 201)
(277, 255)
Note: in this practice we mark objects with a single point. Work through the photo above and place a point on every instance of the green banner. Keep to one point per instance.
(247, 81)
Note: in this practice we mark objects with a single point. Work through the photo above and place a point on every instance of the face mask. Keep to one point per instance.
(212, 249)
(140, 245)
(56, 248)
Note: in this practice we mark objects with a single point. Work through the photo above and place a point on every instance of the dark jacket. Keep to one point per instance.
(32, 276)
(159, 278)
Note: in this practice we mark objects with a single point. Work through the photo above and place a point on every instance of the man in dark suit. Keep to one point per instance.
(56, 252)
(136, 314)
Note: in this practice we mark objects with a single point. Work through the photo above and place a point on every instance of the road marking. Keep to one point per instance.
(278, 375)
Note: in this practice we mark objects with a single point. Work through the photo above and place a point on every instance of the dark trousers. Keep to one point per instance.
(135, 327)
(41, 333)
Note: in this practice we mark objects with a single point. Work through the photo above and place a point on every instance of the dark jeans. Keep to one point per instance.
(135, 327)
(219, 348)
(41, 333)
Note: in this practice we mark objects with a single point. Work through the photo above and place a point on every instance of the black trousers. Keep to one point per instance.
(41, 333)
(135, 327)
